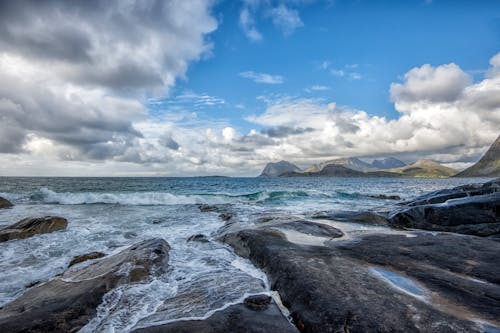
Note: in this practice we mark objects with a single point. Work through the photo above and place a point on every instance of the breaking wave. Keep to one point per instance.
(48, 196)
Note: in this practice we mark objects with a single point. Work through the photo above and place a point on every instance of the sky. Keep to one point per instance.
(205, 87)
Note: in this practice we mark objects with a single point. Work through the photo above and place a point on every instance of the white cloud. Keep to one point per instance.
(286, 19)
(262, 77)
(247, 23)
(74, 74)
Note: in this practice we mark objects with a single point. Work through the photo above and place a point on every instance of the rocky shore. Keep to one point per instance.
(426, 265)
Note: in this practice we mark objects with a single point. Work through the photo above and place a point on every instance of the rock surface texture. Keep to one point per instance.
(469, 209)
(31, 226)
(239, 318)
(379, 282)
(68, 302)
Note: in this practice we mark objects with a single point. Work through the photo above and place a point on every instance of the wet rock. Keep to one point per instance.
(257, 302)
(29, 227)
(85, 257)
(207, 208)
(4, 203)
(67, 303)
(225, 217)
(354, 217)
(463, 270)
(237, 318)
(312, 228)
(198, 238)
(469, 209)
(130, 234)
(333, 289)
(385, 197)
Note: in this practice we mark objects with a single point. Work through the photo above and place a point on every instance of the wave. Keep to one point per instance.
(48, 196)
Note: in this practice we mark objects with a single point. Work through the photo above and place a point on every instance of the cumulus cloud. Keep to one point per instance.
(262, 77)
(66, 68)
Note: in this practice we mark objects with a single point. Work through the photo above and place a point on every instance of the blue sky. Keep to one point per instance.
(203, 87)
(350, 50)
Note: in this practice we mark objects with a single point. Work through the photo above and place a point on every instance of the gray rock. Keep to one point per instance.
(469, 209)
(31, 226)
(4, 203)
(312, 228)
(334, 289)
(68, 302)
(237, 318)
(85, 257)
(354, 217)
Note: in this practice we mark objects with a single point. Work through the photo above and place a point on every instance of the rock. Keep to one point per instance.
(67, 303)
(29, 227)
(334, 289)
(312, 228)
(130, 234)
(354, 217)
(198, 238)
(85, 257)
(237, 318)
(207, 208)
(469, 209)
(225, 217)
(4, 203)
(257, 302)
(385, 197)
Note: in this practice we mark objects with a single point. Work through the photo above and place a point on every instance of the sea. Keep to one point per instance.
(110, 214)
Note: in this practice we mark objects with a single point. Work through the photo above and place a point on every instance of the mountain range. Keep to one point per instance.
(487, 166)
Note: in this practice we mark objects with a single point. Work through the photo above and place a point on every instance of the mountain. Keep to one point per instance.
(487, 166)
(331, 170)
(352, 163)
(278, 168)
(425, 169)
(388, 163)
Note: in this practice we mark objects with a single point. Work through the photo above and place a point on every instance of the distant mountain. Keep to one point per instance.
(278, 168)
(331, 170)
(487, 166)
(425, 169)
(352, 163)
(388, 163)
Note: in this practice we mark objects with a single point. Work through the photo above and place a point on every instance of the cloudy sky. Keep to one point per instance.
(203, 87)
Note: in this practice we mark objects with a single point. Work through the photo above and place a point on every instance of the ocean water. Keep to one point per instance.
(109, 214)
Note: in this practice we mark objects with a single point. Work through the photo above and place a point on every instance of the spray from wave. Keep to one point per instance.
(48, 196)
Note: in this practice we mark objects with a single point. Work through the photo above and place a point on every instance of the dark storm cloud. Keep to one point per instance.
(74, 72)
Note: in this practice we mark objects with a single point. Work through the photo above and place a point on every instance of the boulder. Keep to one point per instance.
(237, 318)
(4, 203)
(468, 209)
(31, 226)
(311, 228)
(335, 288)
(198, 238)
(68, 302)
(385, 196)
(85, 257)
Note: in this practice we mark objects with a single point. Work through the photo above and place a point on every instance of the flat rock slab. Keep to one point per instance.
(311, 228)
(237, 318)
(31, 226)
(4, 203)
(67, 303)
(336, 289)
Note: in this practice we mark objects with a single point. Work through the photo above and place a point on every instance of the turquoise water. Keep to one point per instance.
(108, 214)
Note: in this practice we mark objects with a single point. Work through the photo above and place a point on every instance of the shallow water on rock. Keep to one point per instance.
(399, 281)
